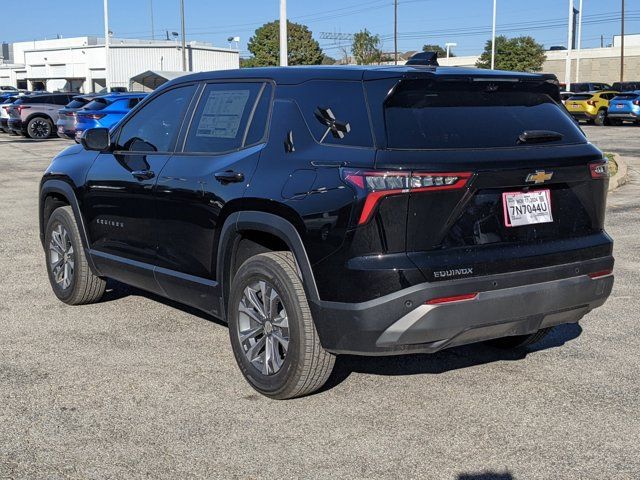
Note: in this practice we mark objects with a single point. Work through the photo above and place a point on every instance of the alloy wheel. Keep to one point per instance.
(263, 327)
(39, 129)
(61, 257)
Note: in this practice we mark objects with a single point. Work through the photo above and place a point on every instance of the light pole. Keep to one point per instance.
(622, 44)
(283, 34)
(153, 33)
(448, 47)
(567, 67)
(579, 45)
(395, 31)
(107, 69)
(493, 35)
(184, 42)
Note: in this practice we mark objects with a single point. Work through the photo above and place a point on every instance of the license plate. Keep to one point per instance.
(527, 208)
(575, 105)
(619, 106)
(61, 129)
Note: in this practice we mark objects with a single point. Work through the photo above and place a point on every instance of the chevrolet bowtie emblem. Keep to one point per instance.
(539, 177)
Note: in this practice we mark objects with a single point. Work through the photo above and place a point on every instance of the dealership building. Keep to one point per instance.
(79, 64)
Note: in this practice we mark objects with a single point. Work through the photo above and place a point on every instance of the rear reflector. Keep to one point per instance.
(601, 273)
(379, 184)
(456, 298)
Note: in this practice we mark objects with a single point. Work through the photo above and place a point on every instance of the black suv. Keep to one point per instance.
(322, 211)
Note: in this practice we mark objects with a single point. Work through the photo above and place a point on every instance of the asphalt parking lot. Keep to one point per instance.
(138, 387)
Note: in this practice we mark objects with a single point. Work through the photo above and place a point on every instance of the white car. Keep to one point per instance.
(4, 113)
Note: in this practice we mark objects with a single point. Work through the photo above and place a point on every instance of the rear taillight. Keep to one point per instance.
(591, 102)
(68, 114)
(375, 185)
(20, 108)
(636, 102)
(599, 169)
(94, 116)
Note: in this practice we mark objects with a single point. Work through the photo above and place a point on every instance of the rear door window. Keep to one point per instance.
(581, 97)
(220, 120)
(428, 114)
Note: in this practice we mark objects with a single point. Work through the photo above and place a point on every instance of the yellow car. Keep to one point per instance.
(590, 106)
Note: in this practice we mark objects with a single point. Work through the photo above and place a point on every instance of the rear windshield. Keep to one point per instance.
(427, 114)
(581, 97)
(77, 103)
(96, 104)
(626, 96)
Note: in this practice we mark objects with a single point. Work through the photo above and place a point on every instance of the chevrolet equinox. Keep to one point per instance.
(323, 211)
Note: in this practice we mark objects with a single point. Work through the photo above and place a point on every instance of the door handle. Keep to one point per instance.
(229, 176)
(143, 174)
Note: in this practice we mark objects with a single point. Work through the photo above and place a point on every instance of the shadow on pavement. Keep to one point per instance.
(413, 364)
(486, 476)
(445, 360)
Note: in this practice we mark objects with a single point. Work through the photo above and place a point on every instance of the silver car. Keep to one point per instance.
(35, 116)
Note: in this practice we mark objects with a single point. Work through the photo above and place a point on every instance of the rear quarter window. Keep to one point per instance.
(346, 102)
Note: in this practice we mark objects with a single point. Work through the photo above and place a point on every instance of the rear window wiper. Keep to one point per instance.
(539, 136)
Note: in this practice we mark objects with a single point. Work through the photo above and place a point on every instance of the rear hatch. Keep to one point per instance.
(624, 103)
(578, 103)
(498, 177)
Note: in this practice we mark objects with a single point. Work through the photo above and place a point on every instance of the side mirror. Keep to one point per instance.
(97, 139)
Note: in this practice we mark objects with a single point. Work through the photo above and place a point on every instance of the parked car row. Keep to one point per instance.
(605, 107)
(42, 115)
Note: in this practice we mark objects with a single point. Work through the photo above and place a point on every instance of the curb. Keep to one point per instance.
(622, 176)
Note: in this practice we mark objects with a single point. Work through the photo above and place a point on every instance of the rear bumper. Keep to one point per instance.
(15, 124)
(516, 303)
(582, 115)
(624, 115)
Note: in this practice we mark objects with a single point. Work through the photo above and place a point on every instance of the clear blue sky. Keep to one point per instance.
(466, 22)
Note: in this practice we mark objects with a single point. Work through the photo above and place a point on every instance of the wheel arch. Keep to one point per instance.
(41, 115)
(278, 229)
(56, 192)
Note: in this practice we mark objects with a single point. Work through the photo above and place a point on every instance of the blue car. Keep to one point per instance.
(66, 124)
(105, 111)
(624, 107)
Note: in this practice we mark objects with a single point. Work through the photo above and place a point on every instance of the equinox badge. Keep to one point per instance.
(539, 177)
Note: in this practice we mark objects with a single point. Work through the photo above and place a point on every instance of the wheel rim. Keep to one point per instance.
(61, 257)
(263, 327)
(39, 128)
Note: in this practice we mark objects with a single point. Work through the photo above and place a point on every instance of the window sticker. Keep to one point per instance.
(222, 114)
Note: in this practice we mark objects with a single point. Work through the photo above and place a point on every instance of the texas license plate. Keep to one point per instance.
(527, 208)
(619, 105)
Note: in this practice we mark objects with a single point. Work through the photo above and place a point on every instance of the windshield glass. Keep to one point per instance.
(626, 96)
(77, 103)
(96, 104)
(427, 114)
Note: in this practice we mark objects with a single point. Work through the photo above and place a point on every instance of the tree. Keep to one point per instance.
(442, 52)
(521, 54)
(327, 60)
(366, 48)
(265, 46)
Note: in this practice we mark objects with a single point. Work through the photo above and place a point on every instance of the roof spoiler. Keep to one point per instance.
(424, 58)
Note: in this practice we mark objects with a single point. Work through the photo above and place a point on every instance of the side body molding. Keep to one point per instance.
(268, 223)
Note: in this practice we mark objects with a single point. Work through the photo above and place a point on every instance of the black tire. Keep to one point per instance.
(39, 128)
(82, 285)
(519, 341)
(306, 365)
(601, 118)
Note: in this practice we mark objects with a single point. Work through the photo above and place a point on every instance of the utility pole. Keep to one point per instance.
(395, 31)
(493, 36)
(567, 67)
(579, 45)
(153, 33)
(184, 42)
(622, 44)
(107, 68)
(284, 49)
